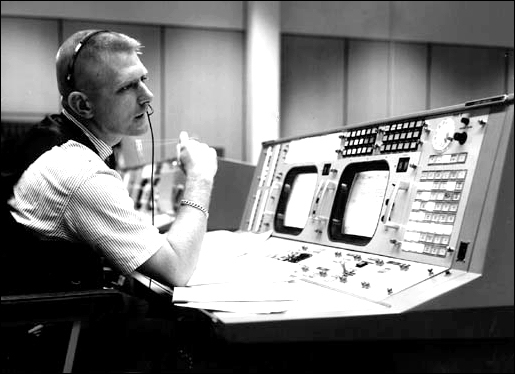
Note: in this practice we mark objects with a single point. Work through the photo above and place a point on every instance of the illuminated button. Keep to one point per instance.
(450, 186)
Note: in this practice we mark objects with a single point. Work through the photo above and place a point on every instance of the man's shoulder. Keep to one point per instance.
(69, 159)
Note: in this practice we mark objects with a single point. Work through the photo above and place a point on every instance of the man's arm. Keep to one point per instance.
(174, 263)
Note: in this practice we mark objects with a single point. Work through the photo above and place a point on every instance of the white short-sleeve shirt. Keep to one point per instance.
(70, 193)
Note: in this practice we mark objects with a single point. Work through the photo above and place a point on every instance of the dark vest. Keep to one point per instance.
(30, 264)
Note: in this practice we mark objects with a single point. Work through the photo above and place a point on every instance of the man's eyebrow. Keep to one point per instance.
(124, 82)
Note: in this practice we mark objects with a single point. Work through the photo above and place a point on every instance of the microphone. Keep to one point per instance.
(149, 110)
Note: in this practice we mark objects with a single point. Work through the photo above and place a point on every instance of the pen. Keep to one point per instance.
(183, 138)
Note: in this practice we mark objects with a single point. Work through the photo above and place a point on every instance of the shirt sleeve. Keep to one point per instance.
(100, 212)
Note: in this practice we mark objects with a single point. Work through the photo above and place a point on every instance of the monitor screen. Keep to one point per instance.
(359, 201)
(299, 203)
(295, 201)
(364, 203)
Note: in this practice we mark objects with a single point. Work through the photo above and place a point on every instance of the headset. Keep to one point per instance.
(78, 48)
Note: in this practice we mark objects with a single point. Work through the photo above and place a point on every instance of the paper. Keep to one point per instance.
(239, 292)
(269, 297)
(261, 307)
(225, 257)
(247, 268)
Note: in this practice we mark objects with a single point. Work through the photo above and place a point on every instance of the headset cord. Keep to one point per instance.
(151, 170)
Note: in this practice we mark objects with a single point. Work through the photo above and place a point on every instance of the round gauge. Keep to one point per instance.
(443, 134)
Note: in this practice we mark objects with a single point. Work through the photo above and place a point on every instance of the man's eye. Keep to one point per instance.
(129, 86)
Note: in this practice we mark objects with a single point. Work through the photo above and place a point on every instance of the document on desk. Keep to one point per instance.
(255, 298)
(294, 297)
(260, 307)
(228, 257)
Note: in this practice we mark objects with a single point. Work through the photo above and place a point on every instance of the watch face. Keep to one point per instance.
(443, 135)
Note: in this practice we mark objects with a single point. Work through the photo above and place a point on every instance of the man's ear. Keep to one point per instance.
(80, 104)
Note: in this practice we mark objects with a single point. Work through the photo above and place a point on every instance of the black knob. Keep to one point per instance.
(465, 120)
(460, 137)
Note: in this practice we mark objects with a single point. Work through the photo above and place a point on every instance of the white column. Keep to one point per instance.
(263, 41)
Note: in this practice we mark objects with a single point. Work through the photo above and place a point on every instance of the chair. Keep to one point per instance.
(68, 310)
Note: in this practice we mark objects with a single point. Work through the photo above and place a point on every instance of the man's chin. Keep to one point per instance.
(141, 129)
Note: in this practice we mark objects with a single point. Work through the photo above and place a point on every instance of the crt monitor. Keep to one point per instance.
(295, 200)
(359, 201)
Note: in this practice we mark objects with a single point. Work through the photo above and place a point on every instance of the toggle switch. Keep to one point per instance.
(460, 137)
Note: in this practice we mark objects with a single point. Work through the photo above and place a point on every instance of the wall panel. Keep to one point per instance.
(222, 14)
(486, 23)
(312, 86)
(29, 87)
(408, 78)
(367, 93)
(204, 87)
(459, 74)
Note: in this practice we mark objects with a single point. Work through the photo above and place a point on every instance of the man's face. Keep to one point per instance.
(120, 103)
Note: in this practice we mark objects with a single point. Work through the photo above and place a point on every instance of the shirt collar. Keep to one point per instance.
(104, 151)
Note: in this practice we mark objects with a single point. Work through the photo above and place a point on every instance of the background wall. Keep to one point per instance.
(341, 62)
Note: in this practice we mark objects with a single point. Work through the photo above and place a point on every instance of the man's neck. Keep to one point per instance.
(104, 148)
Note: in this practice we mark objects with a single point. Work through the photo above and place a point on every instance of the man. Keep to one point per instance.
(70, 194)
(61, 192)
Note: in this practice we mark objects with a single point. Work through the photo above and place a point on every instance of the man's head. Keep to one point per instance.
(102, 81)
